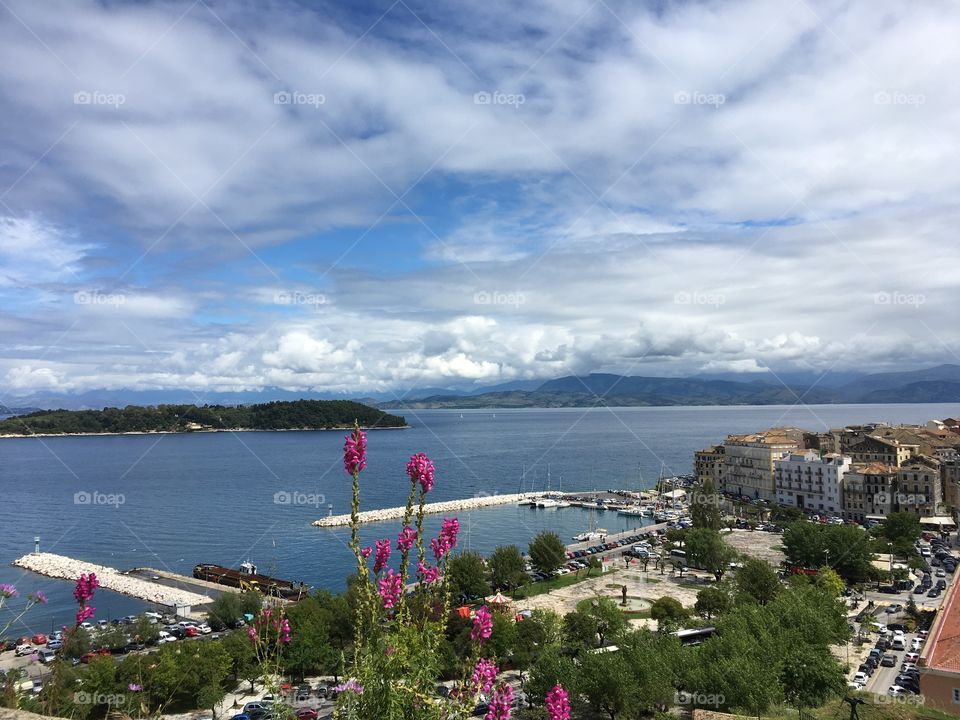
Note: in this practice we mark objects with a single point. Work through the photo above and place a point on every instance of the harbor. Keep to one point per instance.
(449, 506)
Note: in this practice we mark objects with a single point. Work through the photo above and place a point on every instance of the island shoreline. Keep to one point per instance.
(197, 432)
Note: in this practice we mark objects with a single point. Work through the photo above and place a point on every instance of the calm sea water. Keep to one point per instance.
(211, 497)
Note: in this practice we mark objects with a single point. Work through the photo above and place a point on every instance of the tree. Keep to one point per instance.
(676, 537)
(543, 629)
(668, 612)
(847, 548)
(757, 579)
(76, 643)
(468, 575)
(902, 530)
(705, 507)
(706, 549)
(712, 601)
(243, 657)
(547, 552)
(229, 608)
(144, 630)
(504, 638)
(810, 678)
(507, 568)
(830, 581)
(309, 648)
(608, 683)
(552, 668)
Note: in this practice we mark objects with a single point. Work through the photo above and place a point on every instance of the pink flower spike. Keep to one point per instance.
(420, 469)
(482, 625)
(383, 555)
(355, 451)
(501, 703)
(365, 552)
(484, 675)
(391, 589)
(406, 538)
(558, 703)
(427, 573)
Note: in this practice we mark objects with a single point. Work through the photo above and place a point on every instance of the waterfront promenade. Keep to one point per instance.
(449, 506)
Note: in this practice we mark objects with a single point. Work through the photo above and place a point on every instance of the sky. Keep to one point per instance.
(379, 196)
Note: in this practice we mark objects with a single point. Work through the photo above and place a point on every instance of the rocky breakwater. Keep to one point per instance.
(65, 568)
(449, 506)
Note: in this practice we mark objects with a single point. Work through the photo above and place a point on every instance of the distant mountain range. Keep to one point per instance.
(938, 384)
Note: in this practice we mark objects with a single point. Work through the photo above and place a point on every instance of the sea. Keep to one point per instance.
(174, 500)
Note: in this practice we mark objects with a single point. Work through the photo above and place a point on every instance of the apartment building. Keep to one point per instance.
(708, 465)
(811, 482)
(748, 467)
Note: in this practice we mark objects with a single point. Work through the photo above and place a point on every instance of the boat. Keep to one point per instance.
(597, 534)
(547, 502)
(247, 578)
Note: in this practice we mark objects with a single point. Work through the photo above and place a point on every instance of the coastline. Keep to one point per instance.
(196, 432)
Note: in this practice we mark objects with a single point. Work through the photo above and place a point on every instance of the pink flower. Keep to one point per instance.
(285, 631)
(355, 451)
(365, 552)
(38, 597)
(7, 591)
(382, 556)
(133, 687)
(84, 588)
(500, 703)
(390, 588)
(558, 703)
(484, 675)
(427, 573)
(447, 540)
(420, 468)
(85, 613)
(406, 539)
(482, 625)
(350, 685)
(252, 634)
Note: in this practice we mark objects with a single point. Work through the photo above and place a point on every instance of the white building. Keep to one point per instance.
(810, 482)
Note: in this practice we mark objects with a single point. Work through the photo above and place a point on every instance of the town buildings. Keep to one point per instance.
(810, 482)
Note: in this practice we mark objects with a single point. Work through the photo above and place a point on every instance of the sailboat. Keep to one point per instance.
(546, 501)
(592, 533)
(523, 488)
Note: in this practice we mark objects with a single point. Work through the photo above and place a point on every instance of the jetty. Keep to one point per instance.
(141, 586)
(449, 506)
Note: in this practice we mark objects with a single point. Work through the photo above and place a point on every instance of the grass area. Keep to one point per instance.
(545, 586)
(652, 581)
(890, 709)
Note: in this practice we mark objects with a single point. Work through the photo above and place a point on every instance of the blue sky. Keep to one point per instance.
(378, 196)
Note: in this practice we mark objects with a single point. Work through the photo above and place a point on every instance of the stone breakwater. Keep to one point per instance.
(449, 506)
(65, 568)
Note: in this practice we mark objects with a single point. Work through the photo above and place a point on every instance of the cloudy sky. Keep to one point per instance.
(385, 195)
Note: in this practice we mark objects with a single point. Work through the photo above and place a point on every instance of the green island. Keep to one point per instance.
(288, 415)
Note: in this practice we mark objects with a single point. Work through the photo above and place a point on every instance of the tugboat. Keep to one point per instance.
(247, 578)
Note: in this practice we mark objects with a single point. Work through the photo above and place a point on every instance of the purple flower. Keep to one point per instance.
(355, 451)
(38, 597)
(252, 634)
(500, 703)
(7, 591)
(285, 631)
(382, 557)
(482, 625)
(350, 685)
(447, 540)
(365, 552)
(558, 703)
(391, 588)
(133, 687)
(406, 538)
(85, 613)
(86, 584)
(427, 573)
(484, 675)
(420, 469)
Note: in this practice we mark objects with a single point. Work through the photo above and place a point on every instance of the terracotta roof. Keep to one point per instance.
(944, 642)
(874, 468)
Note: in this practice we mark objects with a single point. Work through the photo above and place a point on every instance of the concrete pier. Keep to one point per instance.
(450, 506)
(142, 586)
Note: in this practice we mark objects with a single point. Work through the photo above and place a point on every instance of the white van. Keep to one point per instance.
(898, 643)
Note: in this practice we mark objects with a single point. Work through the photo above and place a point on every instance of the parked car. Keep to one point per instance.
(46, 656)
(54, 644)
(306, 714)
(889, 660)
(895, 608)
(23, 649)
(39, 639)
(911, 657)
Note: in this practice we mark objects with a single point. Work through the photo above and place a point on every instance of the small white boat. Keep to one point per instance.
(597, 534)
(547, 502)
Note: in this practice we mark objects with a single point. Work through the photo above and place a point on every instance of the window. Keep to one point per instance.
(956, 695)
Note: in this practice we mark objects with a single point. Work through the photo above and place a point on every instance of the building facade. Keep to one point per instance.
(749, 461)
(811, 482)
(868, 491)
(708, 466)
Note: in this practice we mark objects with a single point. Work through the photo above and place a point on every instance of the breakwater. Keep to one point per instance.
(449, 506)
(66, 568)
